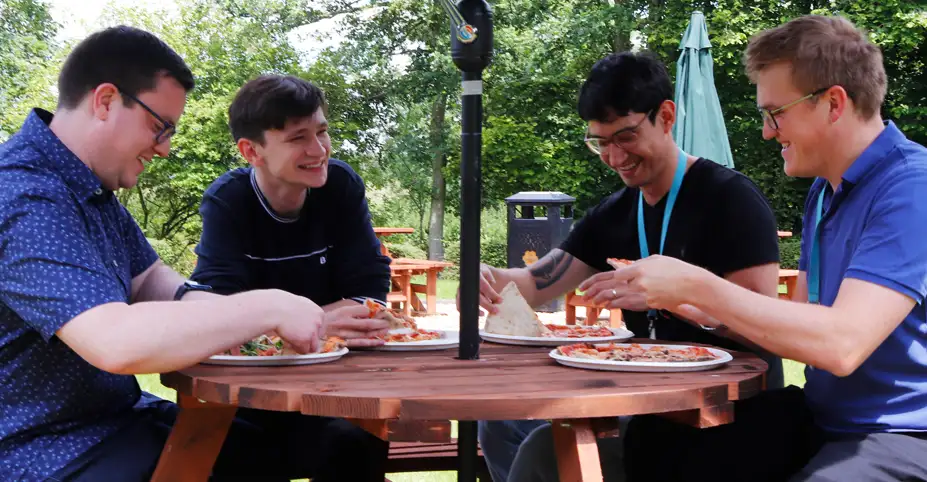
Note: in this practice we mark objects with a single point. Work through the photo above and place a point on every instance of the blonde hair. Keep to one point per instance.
(823, 51)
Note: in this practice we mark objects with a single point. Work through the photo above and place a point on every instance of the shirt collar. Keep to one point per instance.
(877, 152)
(58, 158)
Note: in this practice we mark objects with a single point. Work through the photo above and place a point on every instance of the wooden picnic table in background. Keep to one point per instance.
(785, 234)
(403, 292)
(384, 232)
(381, 390)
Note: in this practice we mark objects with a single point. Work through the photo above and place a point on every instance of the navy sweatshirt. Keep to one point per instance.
(327, 254)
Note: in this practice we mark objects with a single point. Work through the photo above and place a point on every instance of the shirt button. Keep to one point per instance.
(115, 263)
(98, 191)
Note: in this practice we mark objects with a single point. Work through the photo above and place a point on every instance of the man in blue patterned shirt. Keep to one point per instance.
(85, 303)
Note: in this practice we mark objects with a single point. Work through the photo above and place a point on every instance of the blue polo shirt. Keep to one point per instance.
(66, 246)
(874, 228)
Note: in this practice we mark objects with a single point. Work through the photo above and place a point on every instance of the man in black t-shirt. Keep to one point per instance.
(295, 219)
(690, 208)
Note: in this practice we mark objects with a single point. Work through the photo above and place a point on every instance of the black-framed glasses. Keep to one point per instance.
(621, 137)
(168, 129)
(769, 116)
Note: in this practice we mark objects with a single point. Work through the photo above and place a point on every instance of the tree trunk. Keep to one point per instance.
(438, 186)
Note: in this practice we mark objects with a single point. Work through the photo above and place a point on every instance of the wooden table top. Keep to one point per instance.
(507, 382)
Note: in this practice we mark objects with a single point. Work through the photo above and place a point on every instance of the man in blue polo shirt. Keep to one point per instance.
(859, 323)
(295, 219)
(85, 302)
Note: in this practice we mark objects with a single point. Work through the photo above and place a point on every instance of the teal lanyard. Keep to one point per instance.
(667, 210)
(814, 259)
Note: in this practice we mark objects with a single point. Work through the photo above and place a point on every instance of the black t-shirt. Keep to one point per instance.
(721, 222)
(327, 254)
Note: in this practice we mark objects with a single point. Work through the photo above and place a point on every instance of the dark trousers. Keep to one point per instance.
(773, 438)
(260, 446)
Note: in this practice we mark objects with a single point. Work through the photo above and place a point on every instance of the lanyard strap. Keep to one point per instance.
(814, 260)
(667, 210)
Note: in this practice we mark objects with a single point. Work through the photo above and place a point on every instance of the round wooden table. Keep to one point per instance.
(507, 383)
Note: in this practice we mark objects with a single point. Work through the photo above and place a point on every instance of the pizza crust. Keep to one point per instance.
(515, 317)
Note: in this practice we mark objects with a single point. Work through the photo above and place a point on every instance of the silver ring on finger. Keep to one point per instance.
(614, 294)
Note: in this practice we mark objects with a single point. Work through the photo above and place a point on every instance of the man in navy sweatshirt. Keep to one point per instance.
(296, 219)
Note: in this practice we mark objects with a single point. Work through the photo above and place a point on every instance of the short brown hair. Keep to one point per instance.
(269, 101)
(823, 51)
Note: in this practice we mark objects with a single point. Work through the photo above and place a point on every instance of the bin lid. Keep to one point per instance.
(540, 197)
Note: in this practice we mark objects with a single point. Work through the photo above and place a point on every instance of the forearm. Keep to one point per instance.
(157, 337)
(798, 331)
(159, 285)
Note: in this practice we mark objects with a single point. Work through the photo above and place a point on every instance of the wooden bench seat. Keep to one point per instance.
(428, 457)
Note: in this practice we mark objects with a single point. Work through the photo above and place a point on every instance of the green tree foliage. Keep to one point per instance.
(394, 93)
(27, 49)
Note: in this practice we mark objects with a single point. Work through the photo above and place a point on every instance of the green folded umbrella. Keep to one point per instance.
(699, 128)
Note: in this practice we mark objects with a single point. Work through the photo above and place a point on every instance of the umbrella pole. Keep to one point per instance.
(471, 190)
(471, 50)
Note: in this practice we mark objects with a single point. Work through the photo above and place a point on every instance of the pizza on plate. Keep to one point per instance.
(273, 345)
(634, 352)
(402, 328)
(575, 331)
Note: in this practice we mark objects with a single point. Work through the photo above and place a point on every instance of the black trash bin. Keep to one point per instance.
(537, 223)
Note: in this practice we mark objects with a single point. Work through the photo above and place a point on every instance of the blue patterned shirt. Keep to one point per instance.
(66, 246)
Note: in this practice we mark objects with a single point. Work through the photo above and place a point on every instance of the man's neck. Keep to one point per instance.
(655, 190)
(67, 128)
(285, 199)
(845, 152)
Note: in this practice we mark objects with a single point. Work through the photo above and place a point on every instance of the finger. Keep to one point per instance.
(359, 324)
(364, 342)
(606, 296)
(598, 288)
(353, 311)
(596, 278)
(623, 302)
(486, 290)
(627, 273)
(347, 334)
(315, 344)
(488, 305)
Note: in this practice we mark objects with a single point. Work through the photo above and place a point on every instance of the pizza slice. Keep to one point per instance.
(618, 263)
(515, 317)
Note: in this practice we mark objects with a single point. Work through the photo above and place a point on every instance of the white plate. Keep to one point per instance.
(449, 339)
(622, 366)
(619, 334)
(278, 360)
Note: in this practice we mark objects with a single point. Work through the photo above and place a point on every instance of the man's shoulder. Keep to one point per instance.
(23, 182)
(725, 184)
(341, 173)
(618, 201)
(232, 187)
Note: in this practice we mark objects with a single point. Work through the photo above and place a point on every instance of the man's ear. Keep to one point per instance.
(667, 112)
(101, 100)
(249, 150)
(838, 101)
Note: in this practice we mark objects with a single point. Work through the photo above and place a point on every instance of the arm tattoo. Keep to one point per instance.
(550, 269)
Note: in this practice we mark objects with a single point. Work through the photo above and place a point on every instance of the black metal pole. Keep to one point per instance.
(470, 194)
(471, 50)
